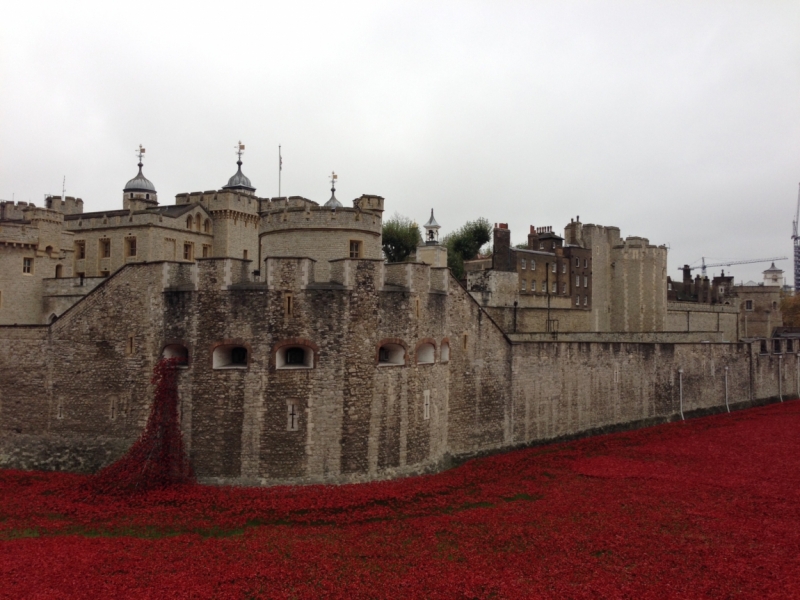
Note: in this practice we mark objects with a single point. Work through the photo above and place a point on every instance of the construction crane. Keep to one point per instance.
(703, 266)
(796, 240)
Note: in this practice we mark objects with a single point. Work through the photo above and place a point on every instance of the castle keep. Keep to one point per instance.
(306, 358)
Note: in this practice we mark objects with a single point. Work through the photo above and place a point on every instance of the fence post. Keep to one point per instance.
(726, 390)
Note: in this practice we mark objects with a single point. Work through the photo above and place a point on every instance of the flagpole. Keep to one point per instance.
(280, 168)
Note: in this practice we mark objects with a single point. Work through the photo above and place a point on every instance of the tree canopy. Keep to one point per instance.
(465, 244)
(790, 310)
(401, 236)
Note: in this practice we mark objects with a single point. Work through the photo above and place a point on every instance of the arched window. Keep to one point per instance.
(390, 354)
(176, 351)
(207, 226)
(444, 353)
(197, 222)
(294, 357)
(425, 354)
(189, 222)
(229, 357)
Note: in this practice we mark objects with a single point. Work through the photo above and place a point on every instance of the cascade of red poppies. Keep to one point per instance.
(157, 459)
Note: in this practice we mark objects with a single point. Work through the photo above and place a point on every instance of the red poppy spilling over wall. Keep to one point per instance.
(157, 459)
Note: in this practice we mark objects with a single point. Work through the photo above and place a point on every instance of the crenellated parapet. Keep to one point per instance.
(68, 206)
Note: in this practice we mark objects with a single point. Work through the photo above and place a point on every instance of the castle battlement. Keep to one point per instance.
(68, 206)
(215, 200)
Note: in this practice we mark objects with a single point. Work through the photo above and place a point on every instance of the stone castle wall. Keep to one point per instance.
(76, 394)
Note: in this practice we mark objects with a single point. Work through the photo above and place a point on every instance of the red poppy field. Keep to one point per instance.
(706, 508)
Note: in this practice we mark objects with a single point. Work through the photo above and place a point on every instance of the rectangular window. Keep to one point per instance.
(105, 248)
(465, 341)
(187, 251)
(113, 409)
(563, 288)
(130, 346)
(554, 268)
(130, 246)
(577, 300)
(555, 288)
(292, 417)
(585, 281)
(564, 267)
(533, 285)
(577, 262)
(288, 305)
(206, 250)
(523, 264)
(577, 281)
(27, 266)
(60, 409)
(244, 255)
(426, 404)
(541, 245)
(523, 285)
(355, 249)
(80, 250)
(586, 300)
(533, 265)
(748, 305)
(585, 263)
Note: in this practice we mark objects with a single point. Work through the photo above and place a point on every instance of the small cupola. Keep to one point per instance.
(432, 231)
(139, 192)
(333, 203)
(239, 181)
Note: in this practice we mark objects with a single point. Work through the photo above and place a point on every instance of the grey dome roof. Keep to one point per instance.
(239, 181)
(140, 183)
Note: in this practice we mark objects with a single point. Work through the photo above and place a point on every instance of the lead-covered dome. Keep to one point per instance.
(239, 181)
(140, 183)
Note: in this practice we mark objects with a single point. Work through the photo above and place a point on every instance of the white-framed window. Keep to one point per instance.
(522, 284)
(426, 354)
(577, 262)
(27, 266)
(533, 265)
(533, 285)
(294, 357)
(585, 263)
(555, 288)
(177, 351)
(523, 264)
(426, 404)
(564, 267)
(391, 354)
(585, 281)
(229, 357)
(563, 288)
(554, 268)
(577, 281)
(541, 245)
(577, 300)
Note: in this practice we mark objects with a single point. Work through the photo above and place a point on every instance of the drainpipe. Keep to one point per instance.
(780, 377)
(680, 384)
(726, 390)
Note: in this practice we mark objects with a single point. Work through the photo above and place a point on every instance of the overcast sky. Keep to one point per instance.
(675, 121)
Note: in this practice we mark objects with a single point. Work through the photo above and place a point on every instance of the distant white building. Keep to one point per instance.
(773, 276)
